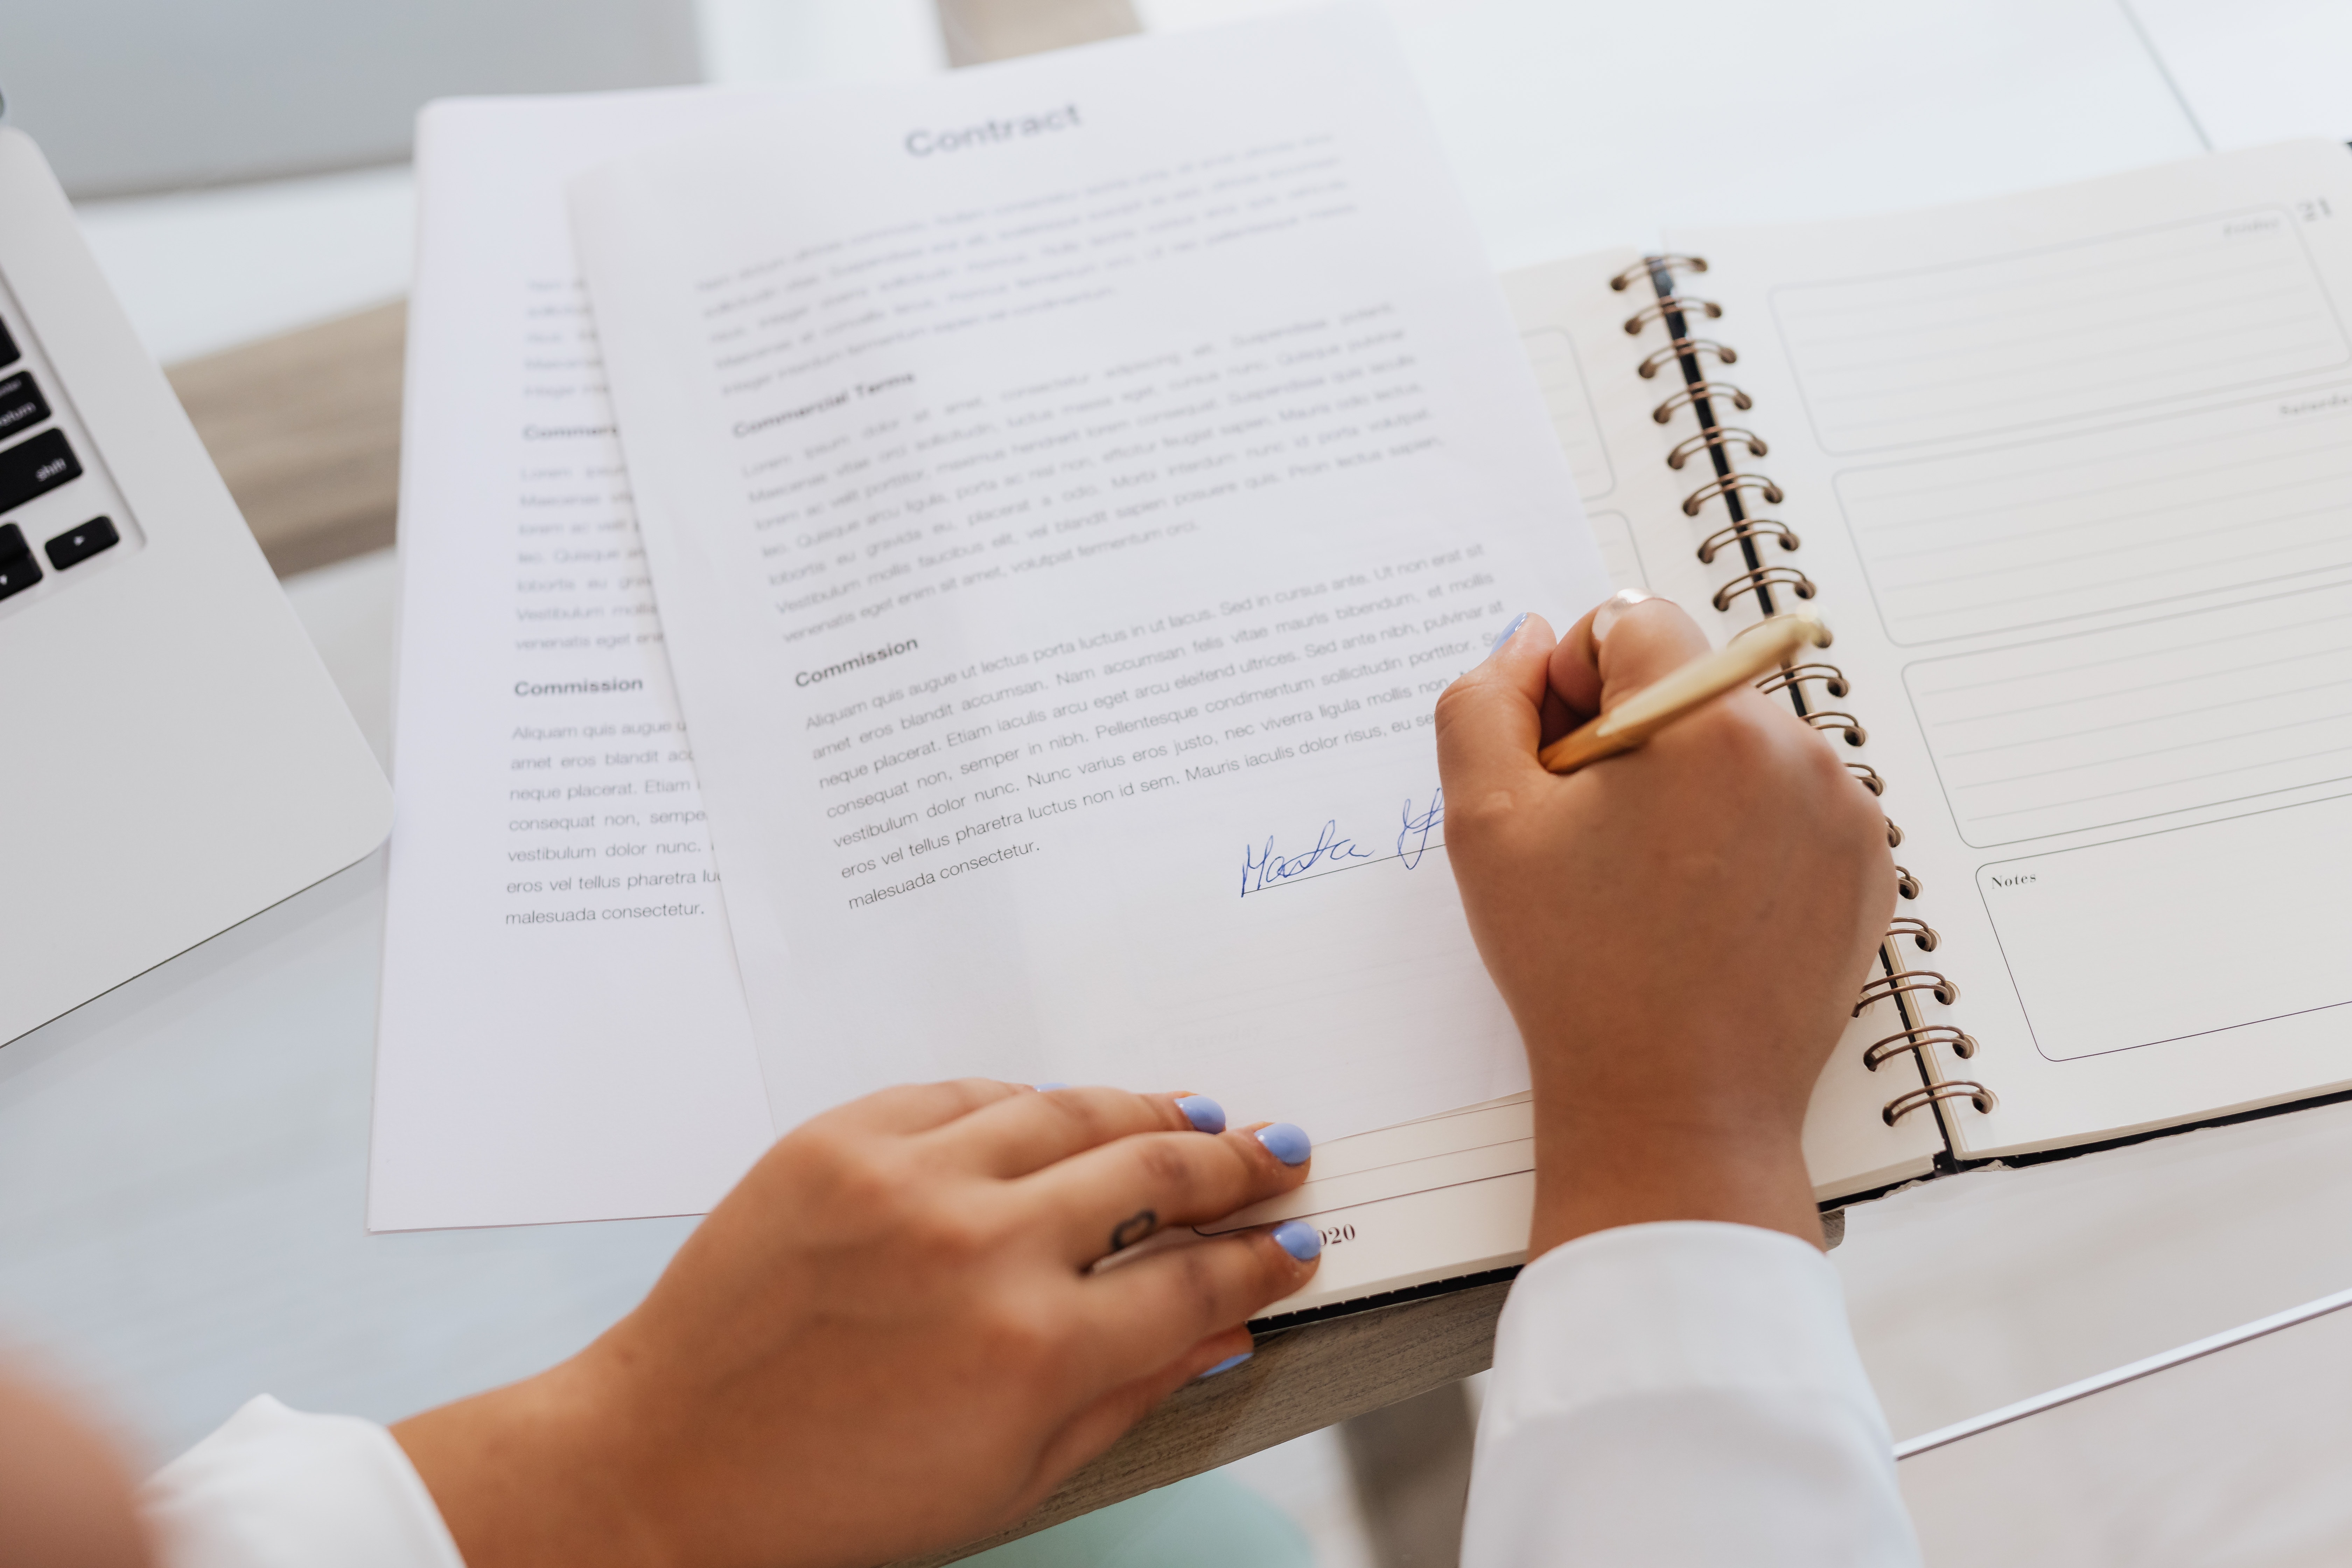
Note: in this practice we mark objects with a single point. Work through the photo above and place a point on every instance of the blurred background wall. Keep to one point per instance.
(133, 96)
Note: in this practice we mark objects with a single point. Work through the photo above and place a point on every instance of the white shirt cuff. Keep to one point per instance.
(276, 1488)
(1683, 1392)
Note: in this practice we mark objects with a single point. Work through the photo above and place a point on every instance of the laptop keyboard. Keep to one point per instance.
(36, 458)
(35, 467)
(73, 548)
(18, 570)
(22, 407)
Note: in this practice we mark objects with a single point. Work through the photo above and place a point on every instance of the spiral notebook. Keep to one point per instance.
(2070, 476)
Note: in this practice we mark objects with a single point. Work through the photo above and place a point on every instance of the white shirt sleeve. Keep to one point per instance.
(1682, 1393)
(276, 1488)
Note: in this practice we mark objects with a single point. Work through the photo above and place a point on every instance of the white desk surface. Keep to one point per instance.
(181, 1162)
(2235, 1459)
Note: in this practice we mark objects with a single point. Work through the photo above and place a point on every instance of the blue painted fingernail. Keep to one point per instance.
(1500, 641)
(1298, 1238)
(1205, 1114)
(1227, 1365)
(1041, 1088)
(1286, 1143)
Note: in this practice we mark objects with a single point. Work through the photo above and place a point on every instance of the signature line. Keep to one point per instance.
(1350, 866)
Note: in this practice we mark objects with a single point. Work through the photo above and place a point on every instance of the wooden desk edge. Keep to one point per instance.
(305, 429)
(1301, 1380)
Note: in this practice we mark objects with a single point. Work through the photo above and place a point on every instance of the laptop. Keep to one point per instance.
(173, 757)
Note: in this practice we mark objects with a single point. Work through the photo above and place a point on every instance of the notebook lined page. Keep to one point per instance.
(2010, 342)
(1568, 397)
(1621, 556)
(2164, 715)
(2074, 474)
(2147, 513)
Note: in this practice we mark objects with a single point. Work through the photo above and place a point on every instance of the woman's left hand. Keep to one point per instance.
(887, 1340)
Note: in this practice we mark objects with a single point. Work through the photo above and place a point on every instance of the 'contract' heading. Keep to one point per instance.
(923, 143)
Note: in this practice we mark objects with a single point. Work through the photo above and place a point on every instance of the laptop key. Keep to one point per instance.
(9, 352)
(22, 407)
(18, 570)
(73, 549)
(35, 467)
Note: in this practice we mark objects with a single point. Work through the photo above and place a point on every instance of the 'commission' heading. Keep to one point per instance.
(858, 661)
(923, 143)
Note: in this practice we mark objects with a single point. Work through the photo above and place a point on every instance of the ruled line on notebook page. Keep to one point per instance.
(1612, 533)
(2123, 321)
(1427, 1174)
(1475, 1143)
(2179, 711)
(1568, 399)
(2040, 532)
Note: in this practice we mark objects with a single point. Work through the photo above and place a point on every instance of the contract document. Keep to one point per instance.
(1068, 486)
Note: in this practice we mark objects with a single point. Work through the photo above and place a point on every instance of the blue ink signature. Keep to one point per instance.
(1412, 838)
(1262, 868)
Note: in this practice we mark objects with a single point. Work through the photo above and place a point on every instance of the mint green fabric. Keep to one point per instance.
(1208, 1518)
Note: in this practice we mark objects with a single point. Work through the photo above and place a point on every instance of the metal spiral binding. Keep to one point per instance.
(1759, 581)
(1683, 348)
(1903, 1104)
(1921, 933)
(1769, 586)
(1672, 305)
(1844, 725)
(1693, 391)
(1718, 435)
(1727, 484)
(1650, 266)
(1963, 1045)
(1886, 988)
(1832, 678)
(1740, 533)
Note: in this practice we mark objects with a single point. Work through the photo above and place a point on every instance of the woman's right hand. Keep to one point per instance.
(887, 1340)
(1679, 931)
